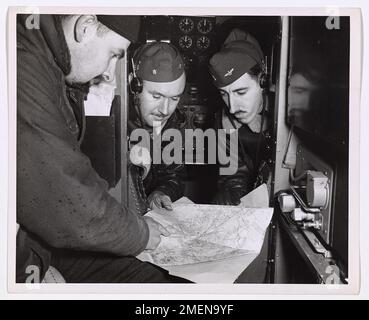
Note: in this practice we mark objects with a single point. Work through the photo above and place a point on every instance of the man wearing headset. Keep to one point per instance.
(239, 74)
(157, 82)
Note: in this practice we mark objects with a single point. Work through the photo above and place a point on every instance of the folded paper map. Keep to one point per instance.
(203, 233)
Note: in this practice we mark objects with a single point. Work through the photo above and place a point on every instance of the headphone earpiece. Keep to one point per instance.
(263, 80)
(263, 76)
(136, 85)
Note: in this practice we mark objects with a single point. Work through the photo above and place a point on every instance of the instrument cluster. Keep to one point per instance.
(194, 36)
(194, 33)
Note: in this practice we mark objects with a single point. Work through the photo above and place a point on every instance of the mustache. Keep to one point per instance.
(240, 114)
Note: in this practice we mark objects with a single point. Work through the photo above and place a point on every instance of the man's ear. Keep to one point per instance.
(85, 27)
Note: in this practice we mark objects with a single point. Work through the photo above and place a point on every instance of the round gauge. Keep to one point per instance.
(204, 26)
(203, 43)
(186, 25)
(185, 42)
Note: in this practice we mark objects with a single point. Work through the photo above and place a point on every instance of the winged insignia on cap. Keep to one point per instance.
(229, 73)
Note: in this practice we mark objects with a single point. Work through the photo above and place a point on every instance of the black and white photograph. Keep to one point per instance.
(184, 148)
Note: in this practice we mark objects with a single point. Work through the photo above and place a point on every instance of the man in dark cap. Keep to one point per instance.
(67, 217)
(160, 70)
(238, 73)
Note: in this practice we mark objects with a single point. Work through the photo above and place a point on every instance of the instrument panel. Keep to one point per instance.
(195, 36)
(195, 33)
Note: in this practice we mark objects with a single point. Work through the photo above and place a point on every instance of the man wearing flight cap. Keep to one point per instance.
(239, 74)
(67, 218)
(159, 69)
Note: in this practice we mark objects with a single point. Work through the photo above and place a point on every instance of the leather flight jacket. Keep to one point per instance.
(254, 166)
(167, 178)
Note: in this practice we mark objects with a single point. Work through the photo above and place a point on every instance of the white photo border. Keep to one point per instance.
(353, 287)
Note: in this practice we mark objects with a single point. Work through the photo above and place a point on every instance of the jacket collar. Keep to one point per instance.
(53, 33)
(52, 30)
